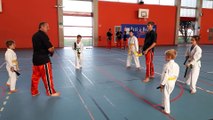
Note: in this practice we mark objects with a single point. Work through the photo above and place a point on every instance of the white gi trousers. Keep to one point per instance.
(193, 77)
(130, 55)
(12, 78)
(168, 88)
(78, 60)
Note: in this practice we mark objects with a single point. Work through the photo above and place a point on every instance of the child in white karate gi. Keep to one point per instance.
(194, 54)
(168, 78)
(78, 48)
(133, 51)
(11, 65)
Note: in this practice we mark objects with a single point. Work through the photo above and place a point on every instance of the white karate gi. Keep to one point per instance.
(133, 47)
(79, 57)
(194, 59)
(168, 78)
(11, 61)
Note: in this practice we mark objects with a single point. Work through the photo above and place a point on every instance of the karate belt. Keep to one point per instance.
(172, 78)
(15, 62)
(135, 52)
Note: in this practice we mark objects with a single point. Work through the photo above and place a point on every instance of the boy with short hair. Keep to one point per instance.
(133, 50)
(11, 65)
(78, 47)
(169, 76)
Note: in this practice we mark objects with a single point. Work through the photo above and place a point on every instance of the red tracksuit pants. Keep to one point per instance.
(45, 72)
(149, 64)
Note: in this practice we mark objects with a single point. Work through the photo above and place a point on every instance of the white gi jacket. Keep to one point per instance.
(79, 57)
(194, 56)
(170, 73)
(133, 50)
(194, 59)
(11, 59)
(133, 44)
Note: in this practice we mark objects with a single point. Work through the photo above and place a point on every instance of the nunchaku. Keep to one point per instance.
(159, 87)
(75, 46)
(186, 70)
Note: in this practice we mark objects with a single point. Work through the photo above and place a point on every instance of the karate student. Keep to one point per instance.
(169, 76)
(78, 47)
(194, 54)
(133, 51)
(11, 65)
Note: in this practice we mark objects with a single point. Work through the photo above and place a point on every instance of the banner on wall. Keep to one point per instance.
(139, 29)
(0, 6)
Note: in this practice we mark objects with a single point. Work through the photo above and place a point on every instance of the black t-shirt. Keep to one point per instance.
(150, 38)
(119, 35)
(125, 37)
(109, 35)
(41, 44)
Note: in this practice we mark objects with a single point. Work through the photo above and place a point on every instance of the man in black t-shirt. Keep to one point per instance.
(118, 38)
(42, 49)
(109, 38)
(148, 51)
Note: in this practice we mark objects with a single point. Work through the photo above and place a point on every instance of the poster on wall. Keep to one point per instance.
(139, 29)
(0, 6)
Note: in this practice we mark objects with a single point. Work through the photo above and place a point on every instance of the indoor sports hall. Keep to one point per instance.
(68, 60)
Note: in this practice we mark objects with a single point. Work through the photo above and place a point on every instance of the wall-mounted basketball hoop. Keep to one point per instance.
(143, 14)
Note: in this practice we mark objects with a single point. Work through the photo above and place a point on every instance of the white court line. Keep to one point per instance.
(210, 72)
(79, 95)
(2, 65)
(5, 102)
(1, 110)
(90, 81)
(107, 99)
(208, 91)
(7, 97)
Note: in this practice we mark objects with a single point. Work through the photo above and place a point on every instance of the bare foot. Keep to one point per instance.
(55, 94)
(146, 80)
(8, 85)
(36, 94)
(12, 91)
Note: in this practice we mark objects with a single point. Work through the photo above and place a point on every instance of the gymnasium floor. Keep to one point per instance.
(104, 89)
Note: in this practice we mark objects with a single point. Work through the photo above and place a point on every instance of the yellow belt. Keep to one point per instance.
(172, 78)
(15, 62)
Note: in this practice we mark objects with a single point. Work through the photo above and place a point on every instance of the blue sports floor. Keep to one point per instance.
(104, 89)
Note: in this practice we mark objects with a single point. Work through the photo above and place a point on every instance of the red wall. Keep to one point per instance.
(114, 14)
(19, 21)
(206, 23)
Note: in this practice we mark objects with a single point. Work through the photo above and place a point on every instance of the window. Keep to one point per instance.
(79, 6)
(156, 2)
(74, 31)
(189, 3)
(207, 4)
(167, 2)
(77, 21)
(187, 12)
(129, 1)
